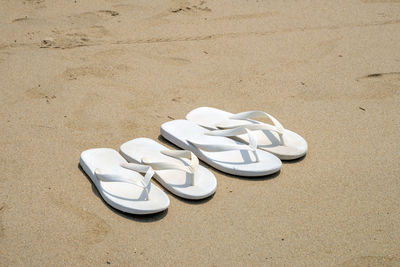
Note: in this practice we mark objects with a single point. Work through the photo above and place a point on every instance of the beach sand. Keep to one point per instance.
(79, 74)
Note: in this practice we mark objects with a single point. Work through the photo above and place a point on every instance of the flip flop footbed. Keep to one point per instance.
(123, 196)
(176, 181)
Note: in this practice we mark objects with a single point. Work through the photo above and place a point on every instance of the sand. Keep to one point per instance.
(79, 74)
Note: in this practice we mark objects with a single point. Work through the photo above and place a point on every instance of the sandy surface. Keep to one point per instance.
(110, 71)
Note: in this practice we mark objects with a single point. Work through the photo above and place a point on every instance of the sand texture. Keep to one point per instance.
(80, 74)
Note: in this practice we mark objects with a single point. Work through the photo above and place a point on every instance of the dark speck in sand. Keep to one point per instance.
(363, 109)
(108, 262)
(283, 239)
(176, 10)
(340, 56)
(374, 75)
(302, 83)
(111, 12)
(20, 19)
(170, 117)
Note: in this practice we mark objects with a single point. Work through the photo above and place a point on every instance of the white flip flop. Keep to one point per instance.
(177, 170)
(222, 153)
(283, 143)
(120, 183)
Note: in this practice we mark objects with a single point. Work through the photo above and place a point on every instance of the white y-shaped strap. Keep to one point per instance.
(193, 165)
(111, 177)
(230, 132)
(262, 126)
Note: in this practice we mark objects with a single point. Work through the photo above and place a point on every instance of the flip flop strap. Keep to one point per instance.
(225, 147)
(149, 172)
(112, 177)
(256, 114)
(191, 169)
(260, 126)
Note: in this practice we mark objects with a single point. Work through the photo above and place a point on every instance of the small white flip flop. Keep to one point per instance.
(177, 170)
(285, 144)
(222, 153)
(120, 183)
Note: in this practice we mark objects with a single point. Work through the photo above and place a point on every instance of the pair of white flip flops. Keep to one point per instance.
(118, 178)
(232, 143)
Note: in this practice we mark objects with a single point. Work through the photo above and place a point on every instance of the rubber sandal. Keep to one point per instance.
(222, 153)
(177, 170)
(120, 184)
(283, 143)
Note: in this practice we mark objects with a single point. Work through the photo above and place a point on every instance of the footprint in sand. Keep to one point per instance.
(72, 39)
(92, 18)
(66, 41)
(100, 71)
(175, 61)
(184, 7)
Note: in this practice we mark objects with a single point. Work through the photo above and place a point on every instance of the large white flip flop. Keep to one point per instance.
(222, 153)
(120, 183)
(177, 170)
(285, 144)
